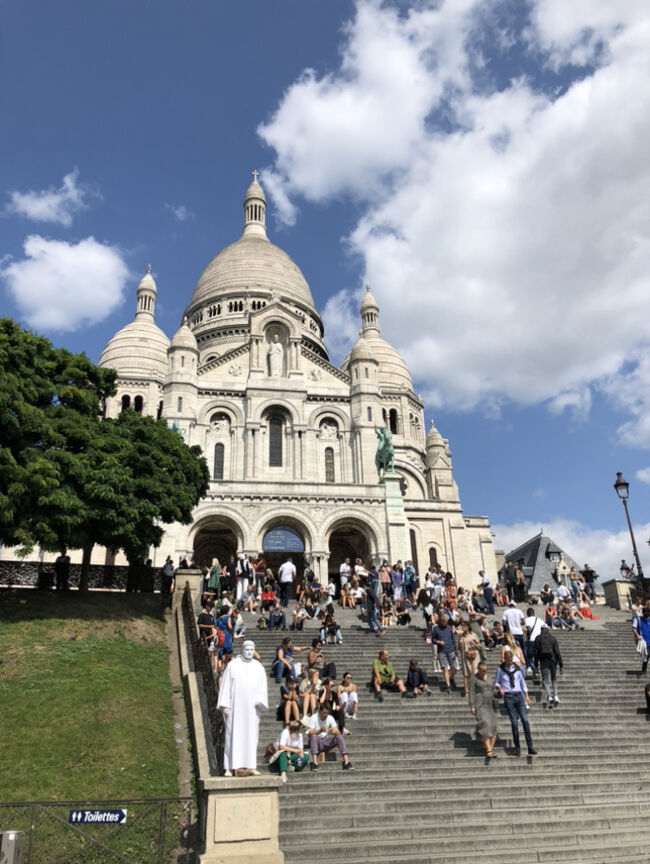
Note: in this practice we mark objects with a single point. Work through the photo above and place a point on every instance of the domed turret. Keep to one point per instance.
(434, 439)
(184, 338)
(439, 470)
(393, 372)
(139, 349)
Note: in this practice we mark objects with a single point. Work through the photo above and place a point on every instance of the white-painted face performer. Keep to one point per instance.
(243, 695)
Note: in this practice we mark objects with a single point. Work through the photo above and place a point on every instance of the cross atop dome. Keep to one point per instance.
(255, 174)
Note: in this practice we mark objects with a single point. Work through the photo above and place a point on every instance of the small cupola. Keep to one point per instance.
(146, 296)
(255, 210)
(369, 312)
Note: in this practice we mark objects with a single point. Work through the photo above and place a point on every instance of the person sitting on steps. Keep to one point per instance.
(348, 696)
(316, 660)
(384, 678)
(416, 680)
(324, 735)
(282, 666)
(309, 691)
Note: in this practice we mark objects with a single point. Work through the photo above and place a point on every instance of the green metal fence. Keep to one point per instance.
(153, 832)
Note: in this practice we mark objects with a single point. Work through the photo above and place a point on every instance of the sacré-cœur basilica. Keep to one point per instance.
(290, 438)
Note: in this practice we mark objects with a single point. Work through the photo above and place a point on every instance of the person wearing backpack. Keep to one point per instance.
(547, 654)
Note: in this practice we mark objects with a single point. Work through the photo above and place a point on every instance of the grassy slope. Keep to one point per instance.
(85, 698)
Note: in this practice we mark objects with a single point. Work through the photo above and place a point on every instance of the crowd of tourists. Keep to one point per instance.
(317, 710)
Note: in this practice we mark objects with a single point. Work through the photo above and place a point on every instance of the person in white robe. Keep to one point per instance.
(242, 697)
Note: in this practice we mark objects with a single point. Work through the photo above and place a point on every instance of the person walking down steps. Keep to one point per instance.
(510, 681)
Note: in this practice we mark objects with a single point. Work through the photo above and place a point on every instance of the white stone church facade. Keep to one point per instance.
(288, 436)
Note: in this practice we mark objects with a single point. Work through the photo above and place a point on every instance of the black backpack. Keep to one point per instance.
(545, 644)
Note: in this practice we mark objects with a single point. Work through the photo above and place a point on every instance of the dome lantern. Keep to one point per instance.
(146, 296)
(255, 210)
(369, 312)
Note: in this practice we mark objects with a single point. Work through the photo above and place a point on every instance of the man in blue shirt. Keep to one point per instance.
(511, 684)
(443, 637)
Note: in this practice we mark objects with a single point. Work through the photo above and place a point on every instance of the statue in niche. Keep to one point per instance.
(328, 431)
(275, 356)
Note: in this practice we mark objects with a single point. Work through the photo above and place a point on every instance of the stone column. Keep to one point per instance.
(399, 546)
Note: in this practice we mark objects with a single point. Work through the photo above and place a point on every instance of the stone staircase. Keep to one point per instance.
(422, 791)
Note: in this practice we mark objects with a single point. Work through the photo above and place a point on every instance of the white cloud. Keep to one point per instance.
(62, 286)
(52, 205)
(505, 232)
(598, 547)
(180, 212)
(643, 474)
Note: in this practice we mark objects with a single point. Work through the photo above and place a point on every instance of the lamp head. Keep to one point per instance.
(622, 487)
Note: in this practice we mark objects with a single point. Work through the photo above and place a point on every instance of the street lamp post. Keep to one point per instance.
(623, 491)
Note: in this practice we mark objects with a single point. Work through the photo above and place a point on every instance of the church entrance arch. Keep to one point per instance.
(280, 542)
(216, 537)
(347, 540)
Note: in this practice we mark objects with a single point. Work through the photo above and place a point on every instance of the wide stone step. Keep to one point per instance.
(488, 847)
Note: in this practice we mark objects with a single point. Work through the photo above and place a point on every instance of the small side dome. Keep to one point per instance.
(361, 351)
(139, 349)
(434, 438)
(184, 338)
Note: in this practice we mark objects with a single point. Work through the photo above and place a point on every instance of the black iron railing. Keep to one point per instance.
(203, 667)
(154, 831)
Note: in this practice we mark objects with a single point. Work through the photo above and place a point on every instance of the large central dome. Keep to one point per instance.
(252, 264)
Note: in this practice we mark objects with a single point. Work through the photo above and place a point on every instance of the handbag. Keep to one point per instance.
(470, 655)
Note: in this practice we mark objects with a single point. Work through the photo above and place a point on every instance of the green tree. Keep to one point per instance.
(136, 476)
(50, 404)
(67, 477)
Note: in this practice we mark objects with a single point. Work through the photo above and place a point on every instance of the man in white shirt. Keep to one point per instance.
(287, 573)
(514, 618)
(344, 573)
(324, 735)
(533, 626)
(563, 593)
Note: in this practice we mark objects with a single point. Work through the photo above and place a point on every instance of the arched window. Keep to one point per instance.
(329, 465)
(218, 462)
(392, 420)
(126, 402)
(433, 556)
(179, 404)
(369, 414)
(276, 428)
(138, 404)
(159, 412)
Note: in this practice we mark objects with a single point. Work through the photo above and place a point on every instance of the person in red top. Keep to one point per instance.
(268, 597)
(259, 568)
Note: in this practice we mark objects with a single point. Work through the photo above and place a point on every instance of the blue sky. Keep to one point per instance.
(483, 165)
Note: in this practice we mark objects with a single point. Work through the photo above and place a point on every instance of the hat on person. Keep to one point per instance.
(512, 603)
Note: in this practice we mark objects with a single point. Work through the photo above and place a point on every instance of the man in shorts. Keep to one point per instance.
(384, 678)
(443, 637)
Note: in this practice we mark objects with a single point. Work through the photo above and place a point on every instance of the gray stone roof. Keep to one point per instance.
(533, 557)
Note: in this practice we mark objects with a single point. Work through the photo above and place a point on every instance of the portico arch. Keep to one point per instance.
(352, 538)
(282, 536)
(215, 535)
